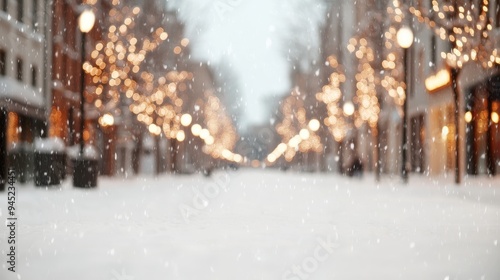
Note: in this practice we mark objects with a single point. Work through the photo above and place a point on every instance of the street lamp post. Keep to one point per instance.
(84, 174)
(348, 110)
(85, 23)
(405, 40)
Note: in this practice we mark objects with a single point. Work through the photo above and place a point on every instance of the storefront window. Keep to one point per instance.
(480, 122)
(13, 128)
(450, 146)
(56, 123)
(448, 136)
(3, 60)
(495, 136)
(483, 129)
(442, 145)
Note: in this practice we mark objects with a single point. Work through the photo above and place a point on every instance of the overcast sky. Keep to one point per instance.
(252, 36)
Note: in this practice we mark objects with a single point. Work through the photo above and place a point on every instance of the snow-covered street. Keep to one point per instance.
(252, 224)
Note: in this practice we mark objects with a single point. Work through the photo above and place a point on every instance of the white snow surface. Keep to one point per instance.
(53, 144)
(89, 151)
(258, 226)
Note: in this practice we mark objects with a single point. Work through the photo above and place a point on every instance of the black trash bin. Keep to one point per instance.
(84, 167)
(21, 160)
(49, 161)
(48, 168)
(85, 172)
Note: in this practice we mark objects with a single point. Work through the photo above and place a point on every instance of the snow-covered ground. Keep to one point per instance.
(253, 224)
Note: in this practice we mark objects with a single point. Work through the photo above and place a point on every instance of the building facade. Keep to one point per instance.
(434, 124)
(435, 121)
(23, 90)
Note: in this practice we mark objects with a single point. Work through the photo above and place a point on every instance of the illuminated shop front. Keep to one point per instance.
(482, 128)
(438, 129)
(19, 129)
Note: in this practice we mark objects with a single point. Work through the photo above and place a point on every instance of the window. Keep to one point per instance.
(35, 15)
(497, 12)
(19, 69)
(3, 59)
(433, 51)
(20, 10)
(4, 5)
(34, 78)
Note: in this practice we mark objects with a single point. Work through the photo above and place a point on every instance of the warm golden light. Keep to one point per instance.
(154, 129)
(86, 20)
(495, 117)
(204, 133)
(348, 108)
(186, 119)
(106, 120)
(238, 158)
(271, 158)
(470, 37)
(314, 125)
(181, 136)
(116, 64)
(438, 81)
(304, 134)
(404, 37)
(209, 140)
(468, 117)
(295, 141)
(185, 42)
(444, 132)
(196, 129)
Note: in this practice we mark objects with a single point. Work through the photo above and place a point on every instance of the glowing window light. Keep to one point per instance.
(468, 117)
(438, 81)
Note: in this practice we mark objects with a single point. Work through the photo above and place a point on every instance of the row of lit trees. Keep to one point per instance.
(124, 68)
(466, 25)
(298, 134)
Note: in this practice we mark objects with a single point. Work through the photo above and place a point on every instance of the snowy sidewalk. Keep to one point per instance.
(252, 224)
